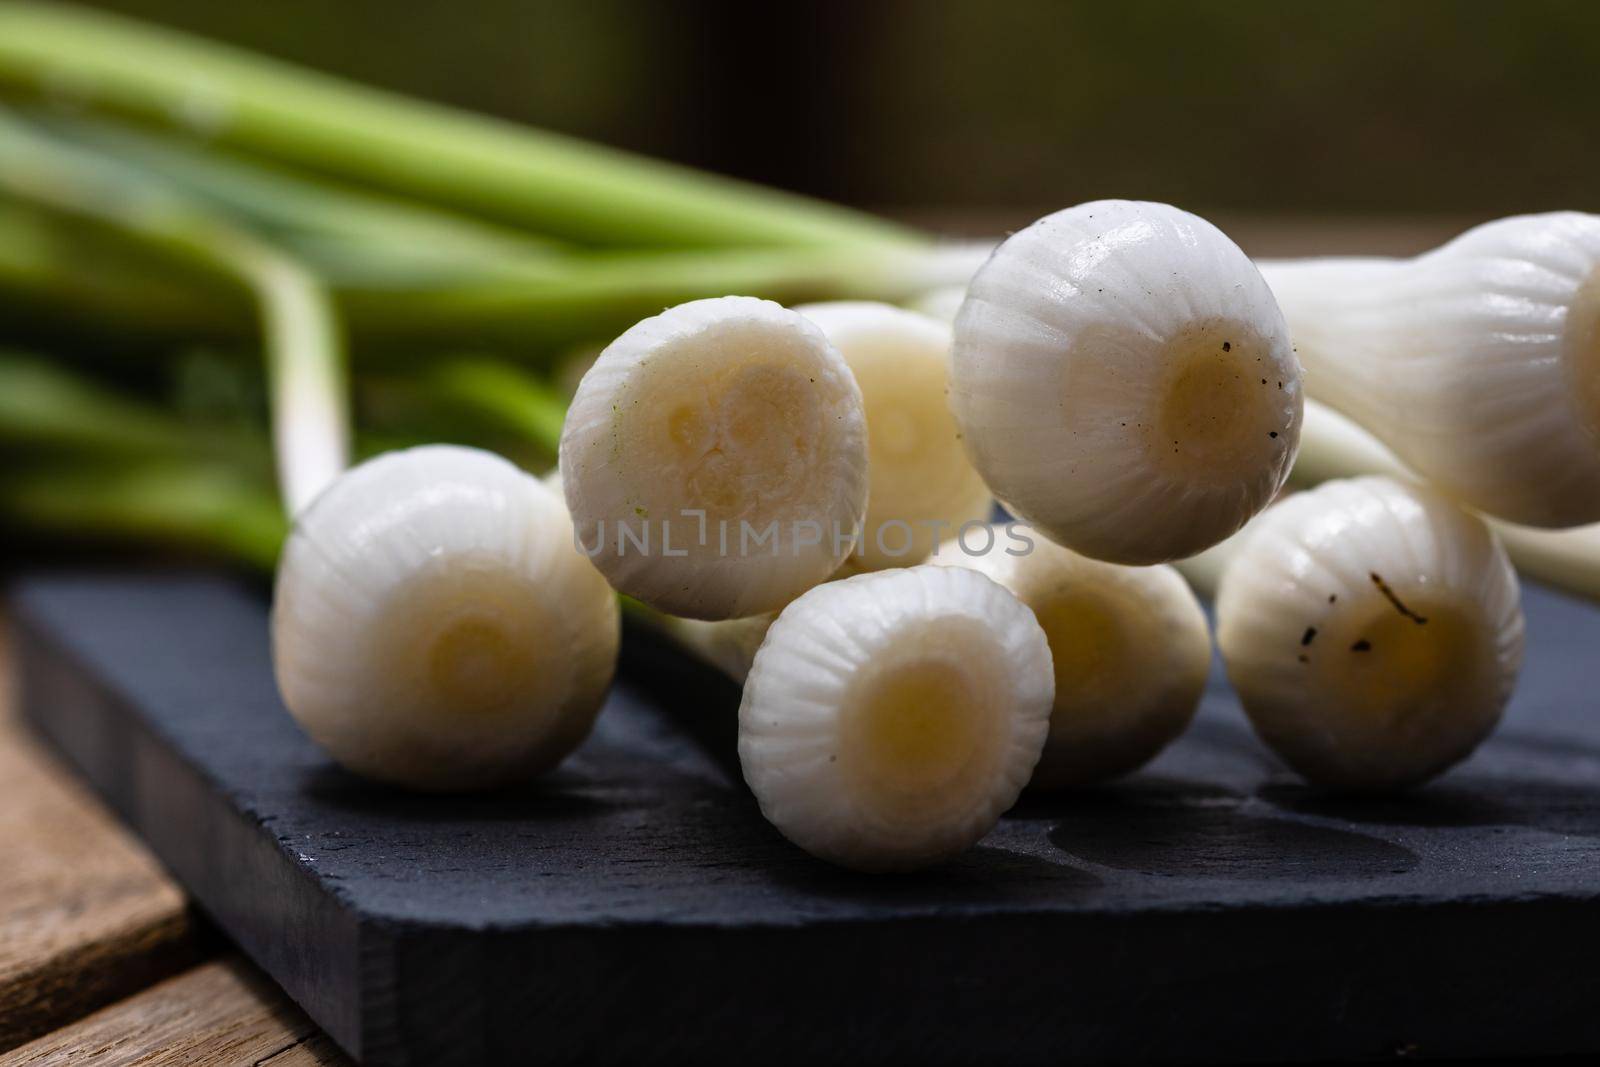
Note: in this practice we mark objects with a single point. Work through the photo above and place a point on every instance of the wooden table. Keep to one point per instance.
(102, 959)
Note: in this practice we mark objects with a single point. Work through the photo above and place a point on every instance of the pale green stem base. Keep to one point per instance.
(1331, 446)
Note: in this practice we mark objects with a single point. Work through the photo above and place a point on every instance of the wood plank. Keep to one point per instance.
(86, 914)
(224, 1012)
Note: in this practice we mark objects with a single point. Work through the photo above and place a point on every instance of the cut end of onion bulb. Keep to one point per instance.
(715, 458)
(433, 627)
(1373, 631)
(1130, 646)
(1477, 363)
(1124, 381)
(922, 484)
(890, 718)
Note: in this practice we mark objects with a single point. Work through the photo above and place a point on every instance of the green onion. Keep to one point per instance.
(1373, 632)
(183, 502)
(346, 233)
(599, 296)
(302, 339)
(1333, 447)
(65, 280)
(543, 181)
(432, 626)
(587, 298)
(42, 406)
(409, 280)
(104, 465)
(504, 395)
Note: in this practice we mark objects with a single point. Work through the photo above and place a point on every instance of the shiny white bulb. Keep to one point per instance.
(1124, 381)
(922, 486)
(1373, 631)
(433, 625)
(890, 718)
(1478, 363)
(1130, 647)
(715, 458)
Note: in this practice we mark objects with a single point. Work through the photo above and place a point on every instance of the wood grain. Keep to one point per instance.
(224, 1012)
(86, 914)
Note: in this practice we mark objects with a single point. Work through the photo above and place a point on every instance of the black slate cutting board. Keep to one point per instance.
(634, 907)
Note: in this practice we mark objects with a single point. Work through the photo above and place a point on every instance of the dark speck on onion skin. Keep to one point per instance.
(1389, 594)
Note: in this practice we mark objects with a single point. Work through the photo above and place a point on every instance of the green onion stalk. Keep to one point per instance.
(302, 339)
(178, 501)
(62, 280)
(476, 400)
(45, 407)
(332, 223)
(407, 278)
(101, 464)
(104, 464)
(503, 394)
(352, 237)
(539, 181)
(390, 322)
(486, 237)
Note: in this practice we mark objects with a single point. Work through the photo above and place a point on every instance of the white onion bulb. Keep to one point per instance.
(1130, 646)
(1373, 631)
(729, 435)
(1478, 363)
(433, 626)
(1124, 381)
(890, 718)
(922, 485)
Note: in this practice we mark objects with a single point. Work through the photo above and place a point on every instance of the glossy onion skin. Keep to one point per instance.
(616, 470)
(348, 620)
(1149, 667)
(921, 483)
(1477, 363)
(1061, 350)
(790, 728)
(1302, 611)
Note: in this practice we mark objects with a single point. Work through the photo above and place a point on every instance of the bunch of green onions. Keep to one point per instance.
(203, 251)
(316, 253)
(227, 278)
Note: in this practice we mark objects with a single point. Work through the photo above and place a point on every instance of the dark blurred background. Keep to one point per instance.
(971, 115)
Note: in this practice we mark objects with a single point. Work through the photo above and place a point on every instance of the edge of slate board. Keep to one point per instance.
(1480, 975)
